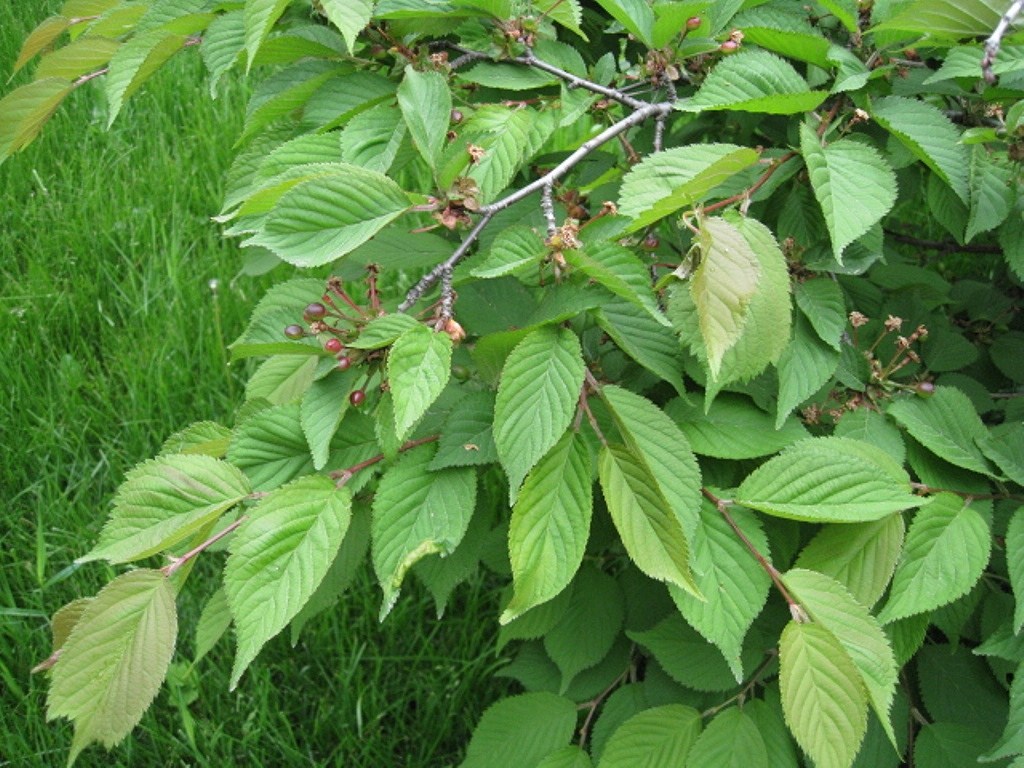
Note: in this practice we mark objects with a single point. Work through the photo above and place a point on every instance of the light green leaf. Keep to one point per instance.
(805, 366)
(537, 395)
(829, 479)
(736, 585)
(677, 178)
(417, 513)
(223, 42)
(134, 62)
(829, 604)
(1012, 740)
(946, 424)
(948, 18)
(45, 33)
(860, 556)
(213, 624)
(651, 531)
(278, 558)
(873, 427)
(569, 14)
(426, 105)
(567, 757)
(1004, 445)
(323, 407)
(164, 501)
(419, 366)
(784, 30)
(372, 138)
(991, 193)
(26, 109)
(634, 15)
(733, 428)
(660, 737)
(349, 16)
(1015, 564)
(854, 186)
(722, 286)
(282, 378)
(383, 331)
(508, 140)
(948, 547)
(271, 448)
(644, 339)
(522, 729)
(513, 249)
(618, 270)
(206, 437)
(731, 740)
(281, 306)
(84, 55)
(754, 80)
(260, 17)
(115, 659)
(821, 302)
(823, 697)
(319, 221)
(550, 525)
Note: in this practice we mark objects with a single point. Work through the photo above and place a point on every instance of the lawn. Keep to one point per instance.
(111, 339)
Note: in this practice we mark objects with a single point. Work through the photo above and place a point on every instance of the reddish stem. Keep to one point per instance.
(177, 562)
(342, 476)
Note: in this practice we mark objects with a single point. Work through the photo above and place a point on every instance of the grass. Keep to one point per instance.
(111, 339)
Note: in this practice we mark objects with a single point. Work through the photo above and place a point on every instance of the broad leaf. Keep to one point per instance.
(468, 435)
(280, 307)
(660, 737)
(685, 656)
(383, 331)
(134, 62)
(271, 448)
(1015, 564)
(426, 105)
(634, 15)
(821, 302)
(278, 558)
(731, 740)
(26, 110)
(733, 428)
(754, 81)
(946, 424)
(213, 624)
(85, 55)
(644, 339)
(47, 31)
(282, 379)
(513, 249)
(260, 16)
(419, 366)
(805, 366)
(522, 729)
(948, 18)
(991, 193)
(349, 16)
(622, 273)
(372, 138)
(223, 42)
(205, 437)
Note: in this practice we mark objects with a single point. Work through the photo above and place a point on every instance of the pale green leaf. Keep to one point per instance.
(754, 80)
(513, 249)
(280, 307)
(948, 18)
(419, 366)
(278, 558)
(507, 143)
(1015, 564)
(829, 479)
(115, 659)
(618, 270)
(733, 427)
(223, 42)
(823, 697)
(84, 55)
(678, 178)
(417, 513)
(64, 621)
(372, 138)
(635, 15)
(854, 186)
(660, 737)
(550, 525)
(26, 109)
(426, 105)
(947, 548)
(271, 448)
(522, 729)
(164, 501)
(804, 367)
(383, 331)
(213, 624)
(134, 62)
(537, 394)
(644, 339)
(946, 424)
(731, 740)
(206, 437)
(40, 38)
(821, 302)
(349, 16)
(991, 193)
(260, 17)
(282, 379)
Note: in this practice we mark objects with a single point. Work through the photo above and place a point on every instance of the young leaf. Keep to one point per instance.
(660, 737)
(823, 697)
(522, 729)
(805, 366)
(383, 331)
(115, 659)
(164, 501)
(213, 624)
(948, 547)
(733, 428)
(260, 16)
(134, 62)
(39, 39)
(550, 524)
(278, 558)
(426, 105)
(349, 16)
(419, 366)
(540, 385)
(26, 110)
(417, 513)
(854, 186)
(946, 424)
(731, 739)
(828, 479)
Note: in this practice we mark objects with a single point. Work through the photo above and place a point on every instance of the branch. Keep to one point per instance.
(530, 60)
(342, 476)
(749, 191)
(941, 245)
(996, 39)
(177, 562)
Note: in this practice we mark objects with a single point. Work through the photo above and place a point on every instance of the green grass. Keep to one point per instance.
(110, 340)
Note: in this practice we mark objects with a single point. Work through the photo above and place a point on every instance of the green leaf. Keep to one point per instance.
(426, 105)
(282, 379)
(929, 135)
(213, 624)
(567, 757)
(722, 286)
(206, 437)
(829, 479)
(644, 339)
(946, 424)
(164, 501)
(323, 407)
(677, 178)
(417, 513)
(618, 270)
(569, 14)
(260, 17)
(782, 752)
(319, 221)
(513, 249)
(85, 55)
(419, 366)
(271, 448)
(40, 38)
(509, 138)
(1004, 445)
(635, 15)
(733, 428)
(650, 530)
(786, 31)
(26, 109)
(537, 395)
(731, 740)
(821, 302)
(823, 697)
(736, 584)
(550, 525)
(873, 427)
(753, 81)
(991, 193)
(223, 42)
(805, 366)
(1015, 564)
(829, 604)
(660, 737)
(383, 331)
(134, 63)
(349, 16)
(279, 308)
(522, 729)
(468, 437)
(948, 547)
(860, 556)
(948, 18)
(115, 659)
(372, 138)
(684, 655)
(278, 558)
(1012, 740)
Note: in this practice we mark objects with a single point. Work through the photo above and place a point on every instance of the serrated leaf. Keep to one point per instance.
(513, 249)
(1015, 564)
(282, 379)
(550, 525)
(946, 424)
(164, 501)
(684, 655)
(417, 513)
(634, 15)
(948, 18)
(278, 558)
(823, 697)
(271, 448)
(786, 31)
(1012, 741)
(677, 178)
(426, 105)
(860, 556)
(206, 437)
(854, 186)
(134, 62)
(323, 407)
(804, 367)
(45, 33)
(660, 737)
(213, 624)
(618, 270)
(829, 603)
(419, 366)
(736, 585)
(522, 729)
(645, 340)
(383, 331)
(349, 16)
(319, 221)
(1004, 445)
(260, 16)
(947, 548)
(506, 142)
(83, 56)
(722, 286)
(731, 740)
(872, 427)
(372, 138)
(223, 42)
(468, 435)
(753, 81)
(828, 479)
(279, 308)
(537, 394)
(821, 302)
(782, 752)
(991, 193)
(26, 109)
(568, 757)
(733, 427)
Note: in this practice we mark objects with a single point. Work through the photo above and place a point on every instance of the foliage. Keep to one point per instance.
(635, 281)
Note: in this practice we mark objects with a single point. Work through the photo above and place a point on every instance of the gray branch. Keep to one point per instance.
(995, 40)
(530, 60)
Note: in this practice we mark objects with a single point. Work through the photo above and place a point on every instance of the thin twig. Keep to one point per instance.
(342, 476)
(547, 206)
(177, 562)
(530, 60)
(943, 246)
(447, 298)
(428, 280)
(595, 702)
(770, 655)
(747, 193)
(89, 76)
(995, 40)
